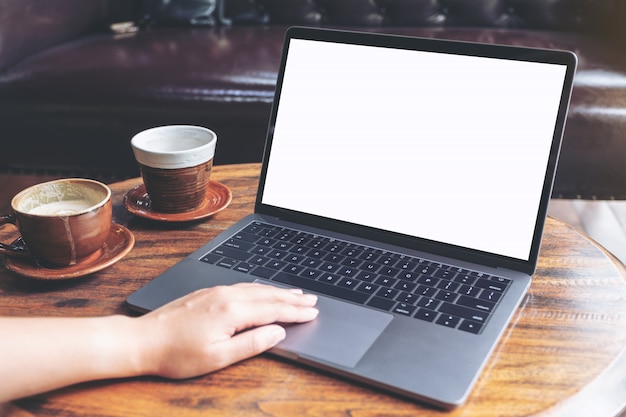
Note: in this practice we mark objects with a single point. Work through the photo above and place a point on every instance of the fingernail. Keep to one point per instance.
(278, 334)
(314, 312)
(311, 297)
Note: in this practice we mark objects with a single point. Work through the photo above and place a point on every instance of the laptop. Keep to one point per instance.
(406, 182)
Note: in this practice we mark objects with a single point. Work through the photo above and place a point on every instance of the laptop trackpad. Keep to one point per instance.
(341, 333)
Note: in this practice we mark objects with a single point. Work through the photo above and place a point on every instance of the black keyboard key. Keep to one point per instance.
(268, 232)
(370, 267)
(300, 239)
(227, 262)
(469, 290)
(503, 281)
(464, 279)
(316, 243)
(232, 253)
(316, 253)
(330, 267)
(387, 293)
(333, 257)
(448, 320)
(405, 286)
(407, 297)
(388, 271)
(348, 283)
(448, 285)
(285, 235)
(328, 278)
(470, 326)
(293, 258)
(369, 255)
(406, 265)
(404, 309)
(387, 260)
(446, 296)
(351, 262)
(368, 288)
(429, 303)
(311, 262)
(385, 281)
(294, 269)
(321, 287)
(266, 242)
(333, 248)
(253, 228)
(367, 276)
(490, 285)
(381, 303)
(277, 254)
(211, 258)
(425, 269)
(426, 291)
(492, 296)
(244, 267)
(261, 250)
(352, 250)
(476, 303)
(444, 273)
(262, 272)
(408, 275)
(300, 250)
(347, 271)
(426, 280)
(259, 260)
(311, 273)
(281, 245)
(276, 264)
(464, 312)
(238, 244)
(425, 314)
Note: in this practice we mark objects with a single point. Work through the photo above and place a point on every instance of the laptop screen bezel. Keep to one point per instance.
(565, 58)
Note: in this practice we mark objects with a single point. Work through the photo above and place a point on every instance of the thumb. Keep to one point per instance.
(249, 343)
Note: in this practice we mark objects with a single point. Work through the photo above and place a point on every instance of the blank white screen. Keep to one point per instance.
(444, 147)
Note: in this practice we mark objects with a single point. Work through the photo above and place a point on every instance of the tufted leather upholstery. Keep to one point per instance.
(72, 93)
(565, 15)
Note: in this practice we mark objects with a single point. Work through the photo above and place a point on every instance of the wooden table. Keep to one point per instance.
(563, 354)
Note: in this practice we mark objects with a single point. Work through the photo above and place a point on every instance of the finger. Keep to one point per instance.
(263, 292)
(260, 314)
(246, 344)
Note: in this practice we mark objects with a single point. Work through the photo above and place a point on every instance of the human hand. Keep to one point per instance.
(212, 328)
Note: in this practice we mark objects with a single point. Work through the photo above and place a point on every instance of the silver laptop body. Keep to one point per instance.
(436, 157)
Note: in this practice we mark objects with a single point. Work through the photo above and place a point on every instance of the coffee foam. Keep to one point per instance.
(62, 208)
(60, 199)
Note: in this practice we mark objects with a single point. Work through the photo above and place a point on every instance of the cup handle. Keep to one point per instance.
(18, 248)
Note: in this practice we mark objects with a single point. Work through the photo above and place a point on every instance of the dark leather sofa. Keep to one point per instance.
(73, 92)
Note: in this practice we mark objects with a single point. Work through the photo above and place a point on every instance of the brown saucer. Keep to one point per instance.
(218, 197)
(117, 245)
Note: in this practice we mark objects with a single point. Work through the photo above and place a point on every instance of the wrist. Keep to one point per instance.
(121, 348)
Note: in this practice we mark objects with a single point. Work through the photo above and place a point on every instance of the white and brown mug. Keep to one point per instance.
(61, 222)
(175, 163)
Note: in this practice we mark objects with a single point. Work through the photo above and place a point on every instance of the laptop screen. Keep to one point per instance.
(445, 147)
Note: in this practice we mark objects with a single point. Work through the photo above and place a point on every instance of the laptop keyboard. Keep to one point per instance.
(443, 294)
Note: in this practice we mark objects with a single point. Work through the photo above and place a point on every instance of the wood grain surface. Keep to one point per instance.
(561, 356)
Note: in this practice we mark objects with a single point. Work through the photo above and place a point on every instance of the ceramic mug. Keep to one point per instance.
(175, 163)
(61, 222)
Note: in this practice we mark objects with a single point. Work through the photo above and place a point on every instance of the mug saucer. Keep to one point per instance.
(117, 245)
(218, 197)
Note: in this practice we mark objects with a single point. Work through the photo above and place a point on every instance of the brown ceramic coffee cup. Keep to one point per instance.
(61, 222)
(175, 163)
